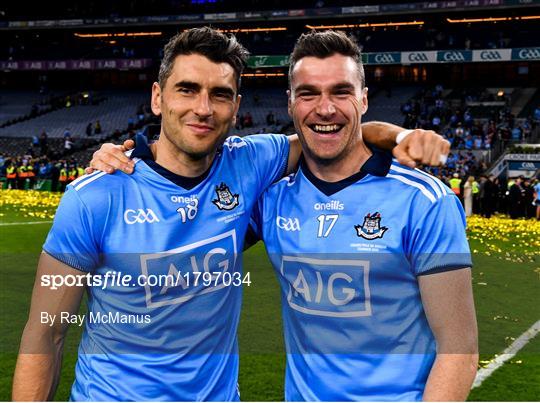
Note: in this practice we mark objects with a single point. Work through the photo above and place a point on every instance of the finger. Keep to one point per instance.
(430, 148)
(402, 156)
(414, 143)
(102, 166)
(129, 145)
(88, 170)
(440, 151)
(436, 155)
(446, 148)
(112, 156)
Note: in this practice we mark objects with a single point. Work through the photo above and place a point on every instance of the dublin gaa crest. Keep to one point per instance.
(225, 199)
(371, 228)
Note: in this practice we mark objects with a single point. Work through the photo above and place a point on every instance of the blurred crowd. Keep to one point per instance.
(429, 110)
(27, 172)
(486, 195)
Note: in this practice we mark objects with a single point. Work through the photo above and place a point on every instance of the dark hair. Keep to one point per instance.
(325, 44)
(205, 41)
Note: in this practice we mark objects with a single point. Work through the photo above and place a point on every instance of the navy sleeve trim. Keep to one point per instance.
(68, 260)
(445, 268)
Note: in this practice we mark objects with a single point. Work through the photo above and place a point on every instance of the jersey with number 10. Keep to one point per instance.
(347, 264)
(153, 340)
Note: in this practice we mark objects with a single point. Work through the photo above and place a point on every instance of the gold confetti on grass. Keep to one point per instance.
(515, 241)
(29, 203)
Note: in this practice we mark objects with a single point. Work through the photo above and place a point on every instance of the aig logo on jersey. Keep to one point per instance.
(288, 224)
(371, 228)
(327, 287)
(140, 216)
(225, 199)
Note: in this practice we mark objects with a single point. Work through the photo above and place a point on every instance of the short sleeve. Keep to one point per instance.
(438, 241)
(269, 154)
(71, 239)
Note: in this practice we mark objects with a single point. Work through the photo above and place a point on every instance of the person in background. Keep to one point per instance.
(529, 205)
(536, 188)
(468, 196)
(488, 196)
(97, 128)
(516, 198)
(11, 175)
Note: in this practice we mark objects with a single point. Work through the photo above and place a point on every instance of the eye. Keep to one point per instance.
(222, 95)
(186, 91)
(306, 96)
(342, 93)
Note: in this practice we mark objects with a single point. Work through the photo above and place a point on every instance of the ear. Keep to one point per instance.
(289, 102)
(236, 108)
(156, 99)
(364, 100)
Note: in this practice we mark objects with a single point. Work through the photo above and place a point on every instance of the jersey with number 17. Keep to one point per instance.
(151, 340)
(347, 262)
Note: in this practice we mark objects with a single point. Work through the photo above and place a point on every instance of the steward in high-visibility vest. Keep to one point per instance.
(21, 172)
(63, 175)
(475, 188)
(11, 176)
(80, 172)
(21, 177)
(455, 184)
(30, 176)
(10, 172)
(30, 171)
(72, 175)
(63, 178)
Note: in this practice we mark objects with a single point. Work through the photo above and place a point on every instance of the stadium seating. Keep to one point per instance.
(15, 104)
(113, 114)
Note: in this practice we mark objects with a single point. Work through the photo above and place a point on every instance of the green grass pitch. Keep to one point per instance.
(507, 295)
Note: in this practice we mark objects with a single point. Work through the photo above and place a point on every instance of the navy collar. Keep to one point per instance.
(378, 164)
(142, 150)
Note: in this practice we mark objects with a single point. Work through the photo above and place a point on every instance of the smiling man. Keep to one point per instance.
(371, 255)
(183, 213)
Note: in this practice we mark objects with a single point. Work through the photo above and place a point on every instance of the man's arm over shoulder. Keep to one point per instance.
(269, 157)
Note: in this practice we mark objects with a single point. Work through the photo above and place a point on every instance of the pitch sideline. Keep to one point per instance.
(5, 224)
(507, 353)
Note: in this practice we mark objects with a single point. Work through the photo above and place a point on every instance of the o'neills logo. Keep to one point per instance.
(331, 205)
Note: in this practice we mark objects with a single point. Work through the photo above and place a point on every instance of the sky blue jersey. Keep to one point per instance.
(165, 335)
(347, 256)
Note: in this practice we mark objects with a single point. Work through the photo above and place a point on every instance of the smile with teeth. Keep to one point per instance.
(326, 128)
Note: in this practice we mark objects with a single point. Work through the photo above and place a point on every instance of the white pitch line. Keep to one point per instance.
(24, 223)
(508, 353)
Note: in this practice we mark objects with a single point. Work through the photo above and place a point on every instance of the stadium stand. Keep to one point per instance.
(112, 114)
